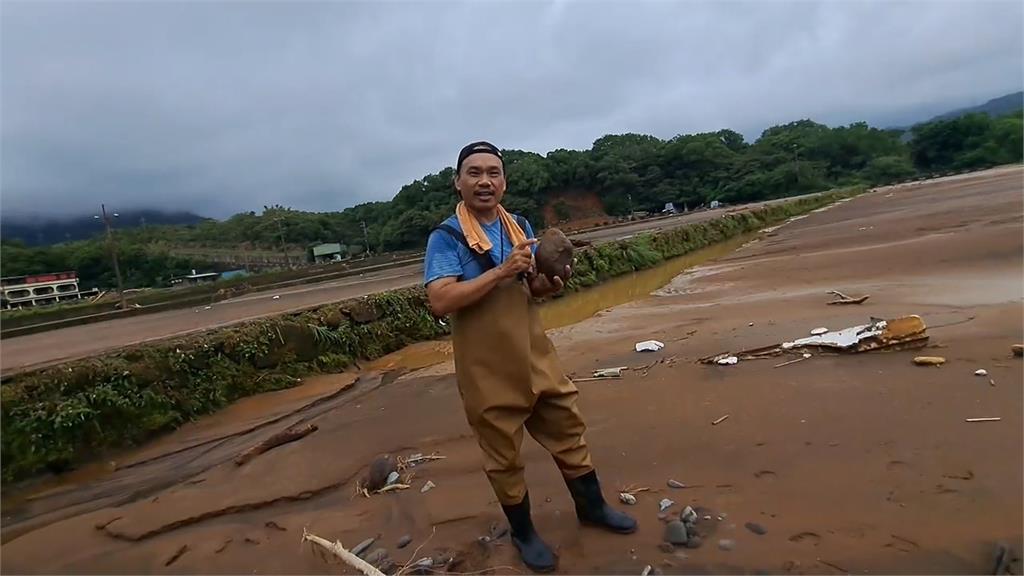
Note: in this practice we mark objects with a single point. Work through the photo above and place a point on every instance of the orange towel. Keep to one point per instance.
(475, 235)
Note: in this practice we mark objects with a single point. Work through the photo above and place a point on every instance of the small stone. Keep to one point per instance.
(427, 486)
(675, 533)
(676, 484)
(756, 528)
(363, 546)
(707, 517)
(665, 504)
(666, 548)
(392, 478)
(688, 515)
(726, 544)
(627, 498)
(981, 372)
(377, 556)
(694, 542)
(404, 541)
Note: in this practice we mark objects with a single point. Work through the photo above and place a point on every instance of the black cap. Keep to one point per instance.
(478, 148)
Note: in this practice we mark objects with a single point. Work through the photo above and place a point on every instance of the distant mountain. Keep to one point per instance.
(46, 231)
(994, 107)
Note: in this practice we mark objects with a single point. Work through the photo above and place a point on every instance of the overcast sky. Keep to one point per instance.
(225, 107)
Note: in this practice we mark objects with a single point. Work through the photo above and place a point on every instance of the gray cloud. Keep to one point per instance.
(221, 107)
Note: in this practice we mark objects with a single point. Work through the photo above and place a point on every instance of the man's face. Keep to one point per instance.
(481, 182)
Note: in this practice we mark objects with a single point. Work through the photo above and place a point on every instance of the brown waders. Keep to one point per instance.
(509, 378)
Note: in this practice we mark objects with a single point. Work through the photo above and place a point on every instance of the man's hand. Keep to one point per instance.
(541, 285)
(521, 260)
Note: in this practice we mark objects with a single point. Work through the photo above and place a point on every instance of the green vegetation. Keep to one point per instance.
(55, 417)
(627, 171)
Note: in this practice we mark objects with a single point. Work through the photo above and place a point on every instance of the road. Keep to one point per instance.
(36, 350)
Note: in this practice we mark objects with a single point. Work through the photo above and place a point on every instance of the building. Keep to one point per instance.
(38, 289)
(334, 252)
(194, 279)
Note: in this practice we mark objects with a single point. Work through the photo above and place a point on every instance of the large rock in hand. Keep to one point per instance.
(554, 253)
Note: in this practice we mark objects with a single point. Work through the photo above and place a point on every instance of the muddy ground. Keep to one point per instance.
(851, 463)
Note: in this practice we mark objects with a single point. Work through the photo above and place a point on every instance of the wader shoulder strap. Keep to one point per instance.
(483, 260)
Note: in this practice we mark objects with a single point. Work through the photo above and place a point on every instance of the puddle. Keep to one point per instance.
(629, 287)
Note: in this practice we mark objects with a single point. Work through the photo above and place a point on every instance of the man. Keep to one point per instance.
(480, 269)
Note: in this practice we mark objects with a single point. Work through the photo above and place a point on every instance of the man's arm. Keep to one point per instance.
(446, 295)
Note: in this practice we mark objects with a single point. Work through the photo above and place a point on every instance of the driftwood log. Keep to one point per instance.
(284, 437)
(844, 299)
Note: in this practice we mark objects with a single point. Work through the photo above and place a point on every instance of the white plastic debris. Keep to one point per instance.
(208, 307)
(609, 372)
(627, 498)
(649, 346)
(728, 361)
(276, 298)
(427, 486)
(392, 478)
(665, 504)
(981, 372)
(819, 331)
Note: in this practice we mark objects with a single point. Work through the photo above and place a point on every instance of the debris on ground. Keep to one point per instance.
(675, 533)
(819, 331)
(665, 504)
(981, 372)
(380, 469)
(688, 515)
(982, 419)
(646, 570)
(392, 478)
(404, 541)
(627, 498)
(276, 298)
(805, 356)
(416, 459)
(755, 528)
(727, 361)
(929, 360)
(649, 346)
(893, 334)
(283, 437)
(427, 486)
(676, 484)
(844, 299)
(1017, 349)
(344, 555)
(377, 557)
(720, 420)
(363, 546)
(610, 372)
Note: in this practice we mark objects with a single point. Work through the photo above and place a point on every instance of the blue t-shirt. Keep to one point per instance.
(446, 256)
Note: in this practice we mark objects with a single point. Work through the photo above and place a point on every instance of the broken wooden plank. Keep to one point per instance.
(274, 441)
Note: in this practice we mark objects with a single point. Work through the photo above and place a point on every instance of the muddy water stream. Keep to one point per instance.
(555, 314)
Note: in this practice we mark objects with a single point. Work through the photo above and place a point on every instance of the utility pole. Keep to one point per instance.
(796, 165)
(113, 251)
(280, 228)
(366, 237)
